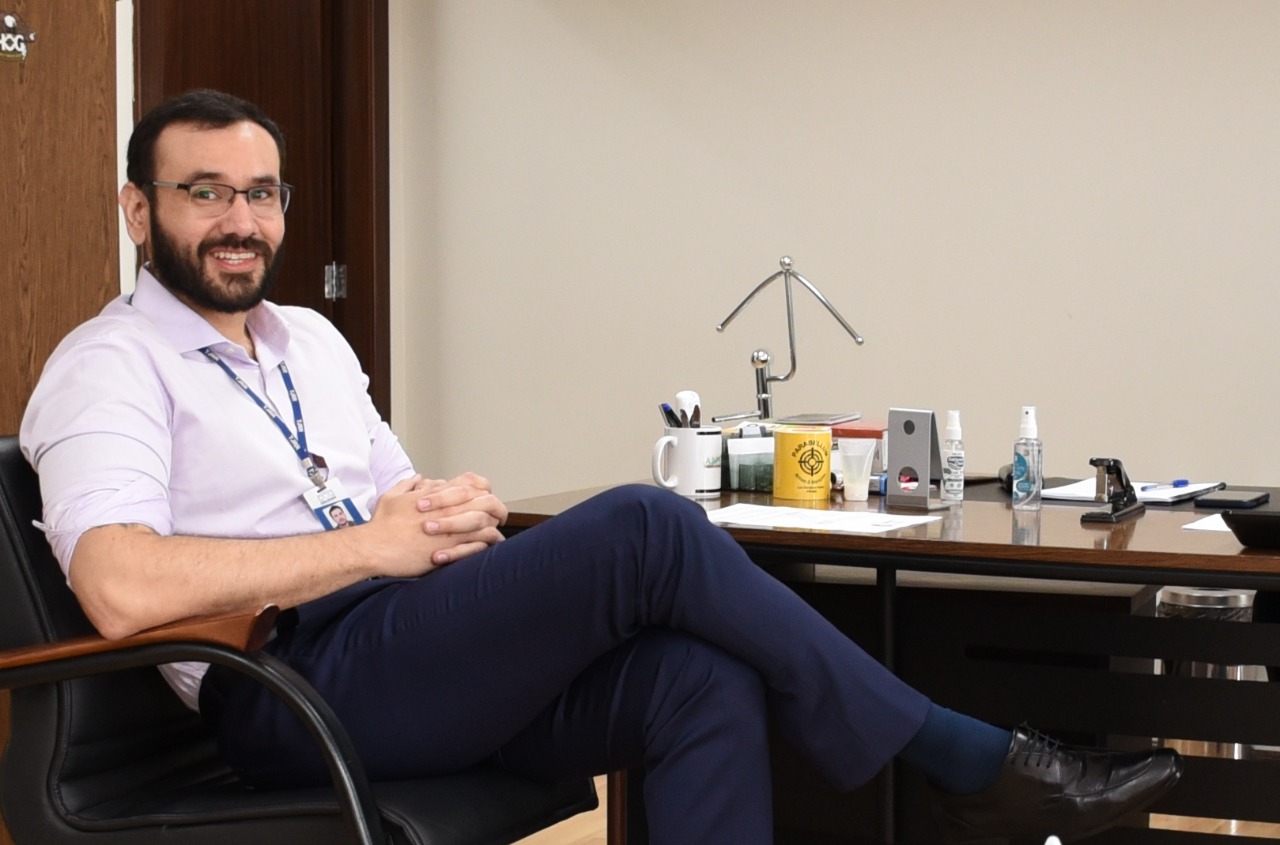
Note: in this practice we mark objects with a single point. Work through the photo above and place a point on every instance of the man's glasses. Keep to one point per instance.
(212, 199)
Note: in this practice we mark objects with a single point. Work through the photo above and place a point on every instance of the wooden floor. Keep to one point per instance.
(589, 828)
(1257, 830)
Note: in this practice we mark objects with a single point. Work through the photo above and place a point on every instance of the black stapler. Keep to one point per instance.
(1115, 488)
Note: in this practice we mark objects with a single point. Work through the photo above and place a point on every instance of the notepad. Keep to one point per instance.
(1086, 491)
(820, 419)
(852, 522)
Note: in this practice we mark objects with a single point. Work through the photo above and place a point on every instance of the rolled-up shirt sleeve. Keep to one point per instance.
(80, 495)
(103, 462)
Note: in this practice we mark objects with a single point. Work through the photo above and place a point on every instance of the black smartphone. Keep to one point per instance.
(1232, 499)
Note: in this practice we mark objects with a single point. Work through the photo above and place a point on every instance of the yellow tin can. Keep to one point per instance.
(802, 463)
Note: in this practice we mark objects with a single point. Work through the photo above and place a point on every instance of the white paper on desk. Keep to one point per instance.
(1215, 522)
(1084, 491)
(853, 522)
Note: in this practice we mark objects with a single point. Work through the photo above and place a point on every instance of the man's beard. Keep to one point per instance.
(184, 276)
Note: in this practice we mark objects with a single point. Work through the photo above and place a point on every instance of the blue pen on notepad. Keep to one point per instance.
(1168, 485)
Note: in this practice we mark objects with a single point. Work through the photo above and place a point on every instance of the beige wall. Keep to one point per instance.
(1068, 204)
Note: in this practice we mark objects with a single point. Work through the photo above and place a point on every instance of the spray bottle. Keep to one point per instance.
(1028, 464)
(953, 460)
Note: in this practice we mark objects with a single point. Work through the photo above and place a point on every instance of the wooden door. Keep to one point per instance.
(318, 67)
(59, 254)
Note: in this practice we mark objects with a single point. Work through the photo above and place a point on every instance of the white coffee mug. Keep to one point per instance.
(687, 460)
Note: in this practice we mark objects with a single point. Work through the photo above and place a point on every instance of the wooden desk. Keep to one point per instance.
(981, 538)
(1065, 656)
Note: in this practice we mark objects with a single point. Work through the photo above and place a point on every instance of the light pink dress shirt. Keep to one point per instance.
(131, 423)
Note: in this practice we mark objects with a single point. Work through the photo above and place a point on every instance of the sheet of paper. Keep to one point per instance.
(1208, 523)
(853, 522)
(1083, 491)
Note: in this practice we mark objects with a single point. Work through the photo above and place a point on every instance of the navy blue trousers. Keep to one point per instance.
(628, 631)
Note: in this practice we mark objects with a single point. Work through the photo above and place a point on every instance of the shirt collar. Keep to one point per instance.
(187, 331)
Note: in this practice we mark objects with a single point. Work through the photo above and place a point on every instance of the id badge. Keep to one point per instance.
(332, 506)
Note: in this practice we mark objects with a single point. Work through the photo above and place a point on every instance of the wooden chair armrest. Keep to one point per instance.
(246, 632)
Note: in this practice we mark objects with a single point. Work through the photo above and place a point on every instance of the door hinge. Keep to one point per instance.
(335, 281)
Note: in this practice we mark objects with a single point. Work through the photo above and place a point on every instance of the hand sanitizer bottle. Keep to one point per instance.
(953, 460)
(1028, 464)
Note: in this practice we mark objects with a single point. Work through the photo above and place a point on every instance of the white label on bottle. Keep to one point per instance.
(953, 474)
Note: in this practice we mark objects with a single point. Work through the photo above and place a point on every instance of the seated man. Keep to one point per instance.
(179, 479)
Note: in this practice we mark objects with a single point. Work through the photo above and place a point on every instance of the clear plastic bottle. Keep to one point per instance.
(1028, 464)
(1026, 528)
(953, 460)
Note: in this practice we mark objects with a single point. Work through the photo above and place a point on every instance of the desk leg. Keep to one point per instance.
(887, 591)
(616, 808)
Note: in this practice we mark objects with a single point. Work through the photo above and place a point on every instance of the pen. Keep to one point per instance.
(1177, 482)
(669, 416)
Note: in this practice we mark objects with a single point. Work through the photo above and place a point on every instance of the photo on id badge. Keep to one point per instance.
(332, 506)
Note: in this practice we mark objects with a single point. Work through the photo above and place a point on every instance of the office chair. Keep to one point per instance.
(102, 751)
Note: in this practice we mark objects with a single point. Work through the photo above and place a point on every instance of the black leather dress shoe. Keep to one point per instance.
(1046, 788)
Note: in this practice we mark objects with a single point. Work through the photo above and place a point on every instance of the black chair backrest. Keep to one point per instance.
(35, 603)
(75, 746)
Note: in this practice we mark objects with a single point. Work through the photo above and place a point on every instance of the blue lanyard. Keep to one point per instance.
(298, 442)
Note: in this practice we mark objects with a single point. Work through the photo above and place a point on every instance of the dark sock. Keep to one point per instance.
(960, 754)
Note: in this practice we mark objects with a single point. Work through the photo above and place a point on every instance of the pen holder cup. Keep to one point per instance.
(687, 460)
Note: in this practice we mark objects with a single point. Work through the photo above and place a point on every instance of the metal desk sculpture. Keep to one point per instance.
(760, 359)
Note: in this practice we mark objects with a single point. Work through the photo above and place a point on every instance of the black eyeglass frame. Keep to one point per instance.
(284, 188)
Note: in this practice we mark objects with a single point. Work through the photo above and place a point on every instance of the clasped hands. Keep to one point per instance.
(452, 518)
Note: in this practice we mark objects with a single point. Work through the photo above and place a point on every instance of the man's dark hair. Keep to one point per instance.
(203, 108)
